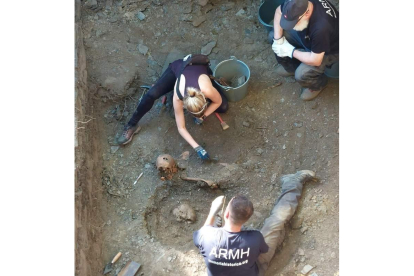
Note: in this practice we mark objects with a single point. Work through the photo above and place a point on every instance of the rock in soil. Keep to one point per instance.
(202, 2)
(306, 269)
(199, 20)
(91, 3)
(143, 49)
(141, 16)
(301, 252)
(206, 50)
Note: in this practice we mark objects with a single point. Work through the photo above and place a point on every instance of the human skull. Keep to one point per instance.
(166, 163)
(184, 212)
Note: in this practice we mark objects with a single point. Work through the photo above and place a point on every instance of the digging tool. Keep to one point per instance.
(108, 267)
(129, 269)
(224, 126)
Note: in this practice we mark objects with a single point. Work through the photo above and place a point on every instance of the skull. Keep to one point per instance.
(166, 163)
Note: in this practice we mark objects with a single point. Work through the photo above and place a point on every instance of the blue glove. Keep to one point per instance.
(198, 121)
(202, 153)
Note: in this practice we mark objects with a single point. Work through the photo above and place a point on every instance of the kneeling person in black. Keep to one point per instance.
(233, 251)
(229, 250)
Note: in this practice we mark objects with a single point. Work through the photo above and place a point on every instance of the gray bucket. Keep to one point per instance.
(267, 13)
(229, 69)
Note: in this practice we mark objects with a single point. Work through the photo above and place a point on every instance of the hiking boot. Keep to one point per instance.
(282, 72)
(301, 176)
(309, 94)
(127, 135)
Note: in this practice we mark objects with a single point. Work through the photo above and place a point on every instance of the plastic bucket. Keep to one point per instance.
(267, 13)
(333, 72)
(228, 69)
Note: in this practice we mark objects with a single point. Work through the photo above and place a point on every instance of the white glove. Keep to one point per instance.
(276, 44)
(285, 50)
(216, 204)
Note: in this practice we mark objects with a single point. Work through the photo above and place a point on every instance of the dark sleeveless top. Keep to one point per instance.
(191, 73)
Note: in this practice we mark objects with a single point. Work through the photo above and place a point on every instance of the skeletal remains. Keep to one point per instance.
(166, 165)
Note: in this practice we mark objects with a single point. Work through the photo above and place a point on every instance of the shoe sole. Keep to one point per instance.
(132, 136)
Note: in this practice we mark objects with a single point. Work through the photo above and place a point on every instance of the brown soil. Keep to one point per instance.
(272, 133)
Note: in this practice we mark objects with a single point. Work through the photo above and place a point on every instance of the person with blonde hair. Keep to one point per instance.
(196, 93)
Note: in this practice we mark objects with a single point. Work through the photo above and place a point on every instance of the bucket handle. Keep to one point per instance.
(233, 58)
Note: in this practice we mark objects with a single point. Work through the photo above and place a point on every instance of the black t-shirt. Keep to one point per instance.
(228, 253)
(322, 33)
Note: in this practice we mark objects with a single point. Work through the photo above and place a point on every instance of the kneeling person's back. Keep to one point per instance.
(228, 250)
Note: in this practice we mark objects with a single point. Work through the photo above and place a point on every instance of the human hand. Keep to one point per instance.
(202, 153)
(198, 121)
(216, 205)
(276, 44)
(285, 50)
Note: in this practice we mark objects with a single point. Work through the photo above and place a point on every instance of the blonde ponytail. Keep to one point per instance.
(194, 101)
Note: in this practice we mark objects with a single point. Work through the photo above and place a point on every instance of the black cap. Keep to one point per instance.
(291, 11)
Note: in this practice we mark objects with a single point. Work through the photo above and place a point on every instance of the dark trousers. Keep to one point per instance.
(307, 76)
(164, 85)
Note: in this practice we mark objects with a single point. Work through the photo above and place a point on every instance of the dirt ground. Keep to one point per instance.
(272, 132)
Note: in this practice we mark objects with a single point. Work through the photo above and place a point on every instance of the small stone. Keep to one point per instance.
(148, 166)
(333, 255)
(169, 259)
(303, 229)
(187, 9)
(143, 49)
(248, 40)
(299, 134)
(114, 149)
(108, 222)
(202, 2)
(320, 135)
(301, 252)
(206, 50)
(91, 3)
(246, 124)
(284, 147)
(306, 269)
(227, 6)
(197, 22)
(297, 124)
(240, 12)
(260, 151)
(302, 260)
(141, 16)
(314, 274)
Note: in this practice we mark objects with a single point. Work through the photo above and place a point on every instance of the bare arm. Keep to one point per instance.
(209, 220)
(179, 118)
(278, 31)
(211, 93)
(214, 209)
(309, 58)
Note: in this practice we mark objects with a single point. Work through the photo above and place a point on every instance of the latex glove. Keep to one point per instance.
(202, 153)
(276, 44)
(216, 205)
(285, 50)
(198, 121)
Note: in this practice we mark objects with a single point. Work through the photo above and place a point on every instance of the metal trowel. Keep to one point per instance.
(108, 267)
